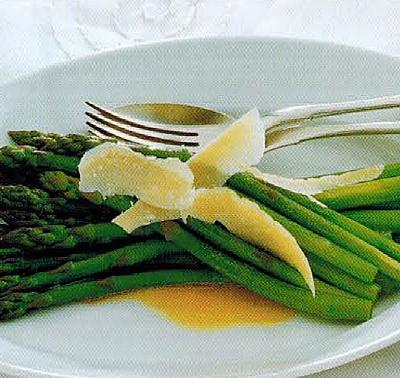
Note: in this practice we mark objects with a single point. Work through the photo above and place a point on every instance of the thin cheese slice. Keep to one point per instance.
(115, 169)
(245, 219)
(314, 185)
(142, 214)
(238, 147)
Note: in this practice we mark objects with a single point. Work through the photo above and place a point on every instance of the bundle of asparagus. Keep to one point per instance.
(352, 264)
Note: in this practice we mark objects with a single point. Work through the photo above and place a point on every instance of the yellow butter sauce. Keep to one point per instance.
(208, 307)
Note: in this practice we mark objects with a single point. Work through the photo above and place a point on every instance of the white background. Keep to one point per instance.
(37, 33)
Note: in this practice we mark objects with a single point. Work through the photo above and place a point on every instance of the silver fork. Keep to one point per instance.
(173, 126)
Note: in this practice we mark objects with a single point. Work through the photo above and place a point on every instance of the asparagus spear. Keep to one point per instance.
(390, 170)
(10, 251)
(388, 285)
(72, 187)
(24, 198)
(173, 260)
(59, 181)
(15, 158)
(21, 206)
(316, 245)
(376, 239)
(62, 237)
(342, 280)
(20, 197)
(366, 194)
(223, 239)
(78, 144)
(11, 266)
(324, 304)
(63, 185)
(379, 220)
(279, 267)
(20, 218)
(332, 225)
(18, 304)
(70, 144)
(73, 271)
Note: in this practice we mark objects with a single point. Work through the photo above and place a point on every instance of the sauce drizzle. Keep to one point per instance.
(207, 307)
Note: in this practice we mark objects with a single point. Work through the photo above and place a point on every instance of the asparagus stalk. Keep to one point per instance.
(390, 170)
(223, 239)
(68, 187)
(12, 266)
(59, 181)
(378, 220)
(388, 285)
(182, 155)
(9, 251)
(70, 144)
(62, 237)
(20, 218)
(173, 260)
(15, 158)
(20, 197)
(21, 206)
(366, 194)
(316, 245)
(275, 265)
(73, 271)
(332, 225)
(325, 305)
(16, 305)
(376, 239)
(78, 144)
(24, 198)
(342, 280)
(60, 178)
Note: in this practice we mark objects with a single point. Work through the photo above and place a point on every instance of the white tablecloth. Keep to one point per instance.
(37, 33)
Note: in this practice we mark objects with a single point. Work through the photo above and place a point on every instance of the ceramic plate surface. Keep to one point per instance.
(233, 75)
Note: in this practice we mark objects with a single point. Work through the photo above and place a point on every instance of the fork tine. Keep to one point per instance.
(136, 125)
(92, 129)
(151, 135)
(129, 133)
(112, 130)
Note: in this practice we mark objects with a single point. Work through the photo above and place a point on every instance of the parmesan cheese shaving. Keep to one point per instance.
(115, 169)
(314, 185)
(235, 149)
(245, 219)
(142, 214)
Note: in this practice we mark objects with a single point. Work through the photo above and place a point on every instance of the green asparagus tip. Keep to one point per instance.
(9, 282)
(69, 144)
(9, 251)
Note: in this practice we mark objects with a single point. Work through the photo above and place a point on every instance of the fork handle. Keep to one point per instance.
(295, 114)
(296, 135)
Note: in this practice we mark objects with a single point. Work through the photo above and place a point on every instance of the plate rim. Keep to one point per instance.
(325, 363)
(190, 40)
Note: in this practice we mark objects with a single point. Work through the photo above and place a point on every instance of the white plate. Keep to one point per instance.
(126, 339)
